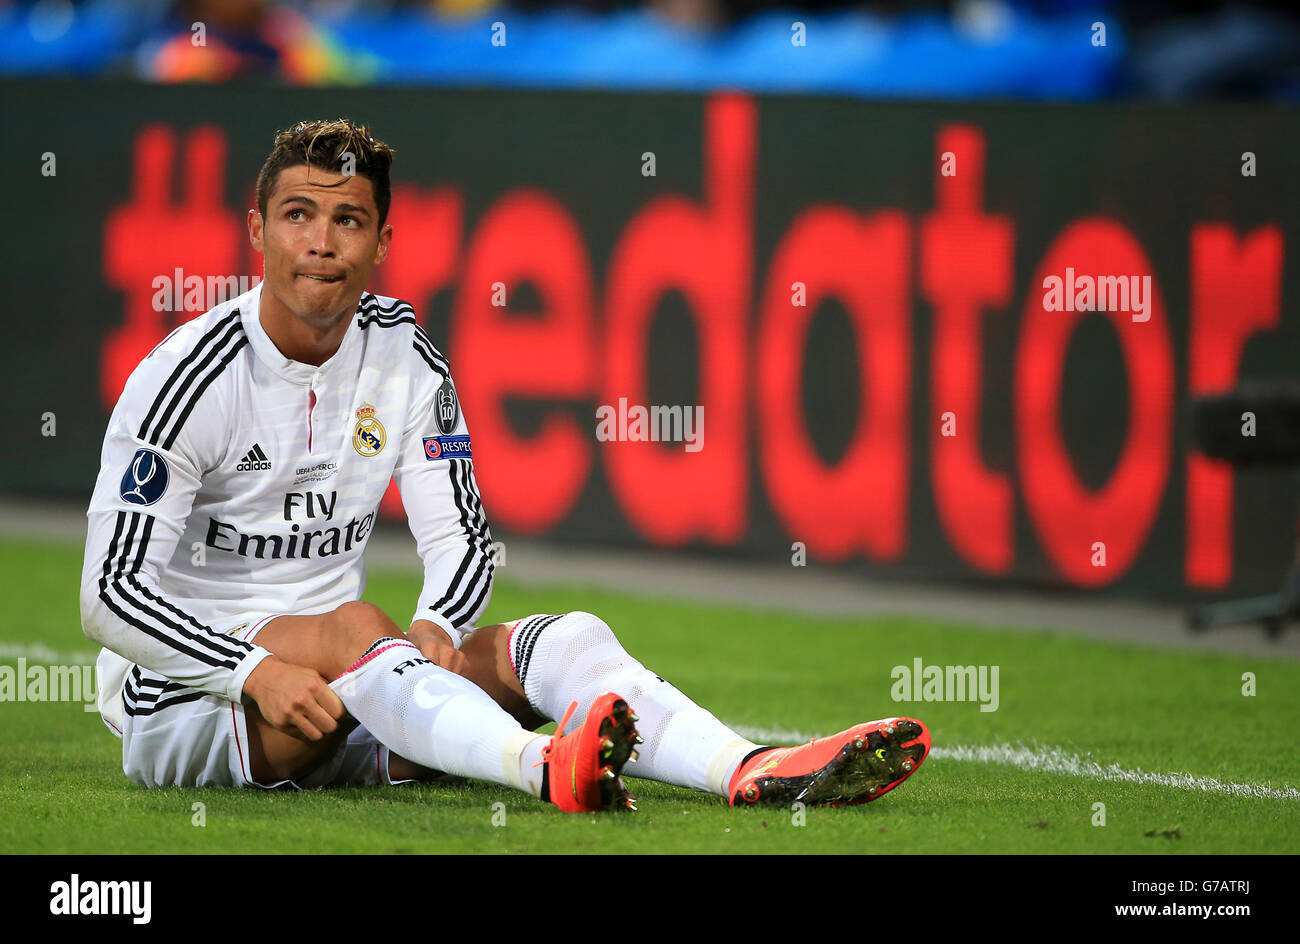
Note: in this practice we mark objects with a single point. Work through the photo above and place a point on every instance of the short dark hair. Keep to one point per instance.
(326, 144)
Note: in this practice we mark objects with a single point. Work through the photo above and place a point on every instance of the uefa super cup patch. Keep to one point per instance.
(446, 447)
(145, 479)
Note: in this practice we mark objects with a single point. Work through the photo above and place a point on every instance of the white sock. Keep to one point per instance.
(576, 657)
(437, 719)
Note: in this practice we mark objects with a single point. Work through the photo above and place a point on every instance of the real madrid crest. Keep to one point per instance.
(369, 437)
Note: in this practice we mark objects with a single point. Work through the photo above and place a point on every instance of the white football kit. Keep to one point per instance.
(236, 485)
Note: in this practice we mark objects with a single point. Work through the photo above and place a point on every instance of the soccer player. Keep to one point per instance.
(240, 477)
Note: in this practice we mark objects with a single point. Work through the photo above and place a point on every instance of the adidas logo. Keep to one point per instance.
(255, 461)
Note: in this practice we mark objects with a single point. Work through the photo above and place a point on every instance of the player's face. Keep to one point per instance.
(319, 242)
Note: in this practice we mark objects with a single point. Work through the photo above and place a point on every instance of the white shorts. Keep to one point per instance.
(178, 736)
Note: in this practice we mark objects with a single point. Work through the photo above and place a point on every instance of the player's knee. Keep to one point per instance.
(589, 624)
(363, 619)
(350, 630)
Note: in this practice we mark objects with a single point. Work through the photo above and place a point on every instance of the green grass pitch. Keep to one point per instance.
(1146, 711)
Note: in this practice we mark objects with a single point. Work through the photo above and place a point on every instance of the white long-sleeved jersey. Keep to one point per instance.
(235, 481)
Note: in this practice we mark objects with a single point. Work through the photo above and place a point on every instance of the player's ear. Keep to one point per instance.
(255, 229)
(385, 237)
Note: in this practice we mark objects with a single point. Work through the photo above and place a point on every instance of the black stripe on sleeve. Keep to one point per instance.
(174, 381)
(370, 312)
(198, 391)
(209, 647)
(479, 536)
(436, 365)
(477, 549)
(432, 356)
(218, 642)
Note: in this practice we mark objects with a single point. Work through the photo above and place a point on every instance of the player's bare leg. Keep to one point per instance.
(328, 643)
(489, 666)
(437, 720)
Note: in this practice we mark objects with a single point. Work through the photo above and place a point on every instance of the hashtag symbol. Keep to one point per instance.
(151, 236)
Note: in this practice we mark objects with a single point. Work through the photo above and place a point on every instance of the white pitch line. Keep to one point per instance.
(36, 652)
(1056, 760)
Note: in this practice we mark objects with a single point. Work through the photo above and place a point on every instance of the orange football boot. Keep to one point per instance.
(855, 766)
(583, 765)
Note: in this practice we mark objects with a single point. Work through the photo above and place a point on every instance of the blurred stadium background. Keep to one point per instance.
(649, 181)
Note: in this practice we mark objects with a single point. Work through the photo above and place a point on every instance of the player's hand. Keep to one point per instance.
(294, 699)
(435, 645)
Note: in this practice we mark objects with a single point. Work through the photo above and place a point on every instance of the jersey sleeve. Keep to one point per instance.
(161, 438)
(435, 475)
